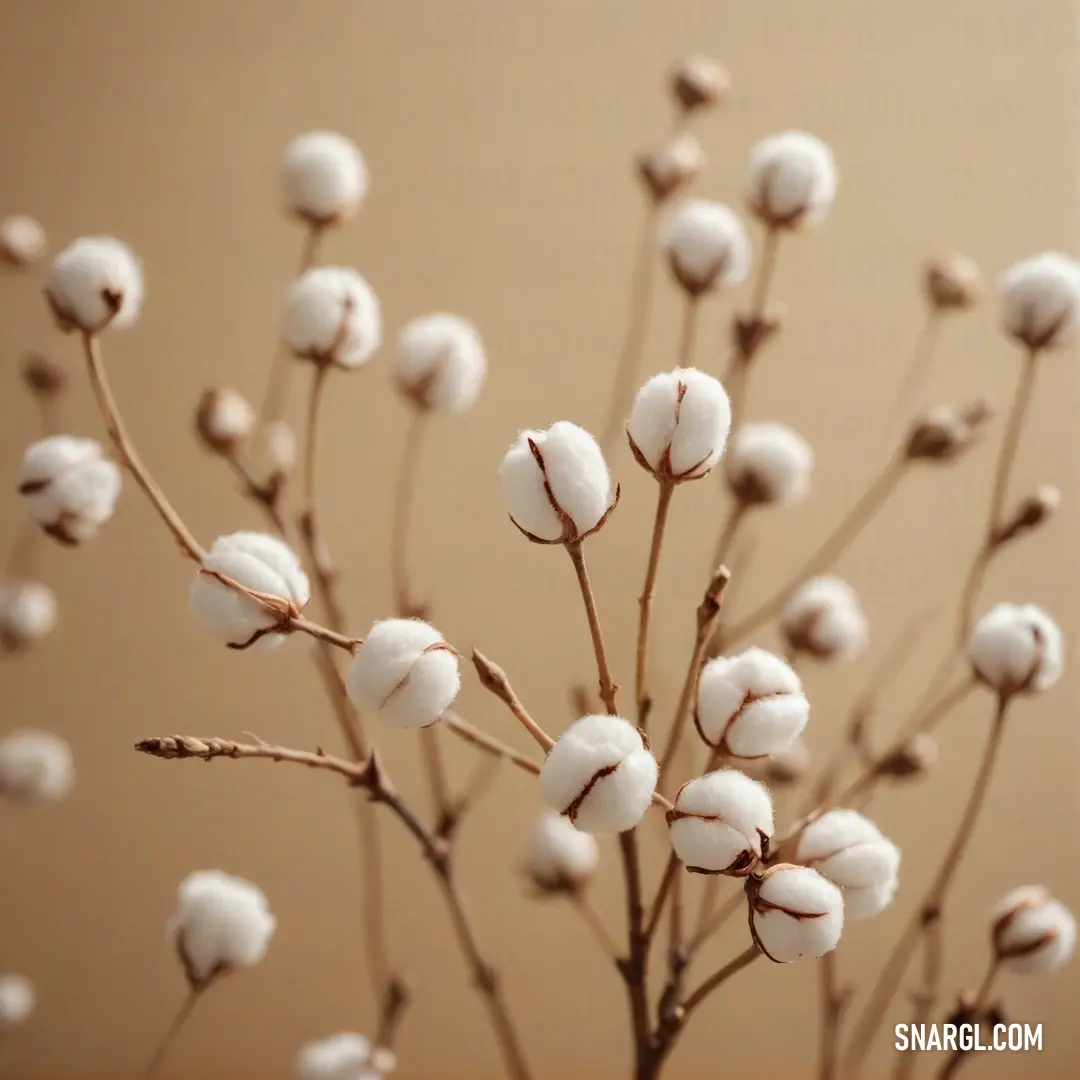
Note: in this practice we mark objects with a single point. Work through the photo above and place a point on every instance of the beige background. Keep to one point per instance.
(499, 137)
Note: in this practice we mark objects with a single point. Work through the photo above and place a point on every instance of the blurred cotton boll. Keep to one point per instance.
(849, 850)
(35, 766)
(794, 912)
(1016, 649)
(953, 283)
(332, 316)
(1032, 933)
(672, 165)
(600, 775)
(324, 178)
(769, 464)
(224, 419)
(440, 363)
(561, 858)
(406, 671)
(699, 82)
(28, 613)
(70, 487)
(861, 904)
(17, 1000)
(824, 619)
(1040, 301)
(706, 246)
(22, 240)
(273, 452)
(94, 284)
(792, 180)
(348, 1056)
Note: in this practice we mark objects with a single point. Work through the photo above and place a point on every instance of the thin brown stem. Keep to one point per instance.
(404, 496)
(493, 678)
(666, 489)
(671, 871)
(922, 356)
(608, 689)
(436, 774)
(171, 1033)
(634, 968)
(709, 923)
(592, 920)
(925, 998)
(978, 1008)
(374, 909)
(833, 1002)
(718, 978)
(259, 493)
(489, 745)
(734, 522)
(687, 332)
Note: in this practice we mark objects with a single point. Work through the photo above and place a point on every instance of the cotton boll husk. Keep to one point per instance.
(699, 82)
(1040, 301)
(560, 856)
(848, 849)
(93, 284)
(768, 463)
(825, 619)
(35, 766)
(865, 903)
(440, 362)
(28, 613)
(792, 180)
(679, 424)
(332, 315)
(796, 912)
(17, 1000)
(347, 1056)
(1016, 648)
(953, 283)
(1032, 933)
(224, 419)
(406, 670)
(22, 240)
(600, 774)
(706, 245)
(671, 165)
(324, 177)
(258, 562)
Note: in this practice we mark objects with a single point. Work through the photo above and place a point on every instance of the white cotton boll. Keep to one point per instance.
(440, 362)
(35, 766)
(273, 452)
(679, 424)
(348, 1056)
(17, 1000)
(332, 316)
(706, 245)
(672, 165)
(70, 487)
(792, 180)
(1040, 301)
(796, 912)
(258, 562)
(94, 283)
(324, 177)
(222, 923)
(600, 775)
(571, 462)
(22, 240)
(750, 705)
(722, 823)
(848, 849)
(224, 419)
(769, 463)
(865, 903)
(1032, 933)
(825, 619)
(1016, 648)
(405, 670)
(28, 613)
(560, 858)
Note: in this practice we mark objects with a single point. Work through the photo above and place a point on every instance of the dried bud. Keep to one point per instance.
(824, 619)
(1033, 511)
(849, 850)
(347, 1056)
(706, 246)
(274, 452)
(1016, 649)
(788, 766)
(35, 766)
(22, 240)
(224, 419)
(722, 823)
(915, 758)
(795, 911)
(792, 180)
(324, 178)
(945, 432)
(27, 613)
(222, 924)
(600, 774)
(332, 316)
(560, 858)
(556, 484)
(953, 283)
(679, 424)
(44, 378)
(1031, 932)
(1040, 301)
(17, 1000)
(699, 82)
(750, 705)
(440, 363)
(406, 671)
(671, 166)
(94, 284)
(768, 464)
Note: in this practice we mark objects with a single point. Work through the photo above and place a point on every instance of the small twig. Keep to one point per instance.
(671, 870)
(925, 998)
(437, 782)
(709, 923)
(596, 926)
(404, 495)
(665, 490)
(172, 1031)
(476, 787)
(737, 515)
(608, 689)
(493, 678)
(395, 1000)
(483, 741)
(718, 979)
(978, 1008)
(834, 1002)
(922, 356)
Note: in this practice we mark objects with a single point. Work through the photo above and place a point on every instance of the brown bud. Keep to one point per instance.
(750, 333)
(22, 241)
(953, 283)
(944, 433)
(914, 759)
(1033, 511)
(45, 378)
(671, 165)
(699, 82)
(223, 420)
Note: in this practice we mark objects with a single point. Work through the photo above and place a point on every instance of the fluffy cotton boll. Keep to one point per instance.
(224, 419)
(22, 240)
(258, 562)
(27, 613)
(795, 911)
(273, 452)
(70, 487)
(792, 180)
(1040, 301)
(769, 464)
(95, 283)
(406, 671)
(600, 775)
(1016, 649)
(1032, 933)
(222, 923)
(17, 1000)
(706, 246)
(35, 766)
(722, 823)
(347, 1056)
(556, 483)
(790, 765)
(671, 165)
(848, 849)
(824, 619)
(750, 705)
(560, 858)
(324, 177)
(873, 900)
(332, 316)
(699, 82)
(440, 363)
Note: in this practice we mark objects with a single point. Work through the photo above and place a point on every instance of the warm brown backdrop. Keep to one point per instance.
(499, 136)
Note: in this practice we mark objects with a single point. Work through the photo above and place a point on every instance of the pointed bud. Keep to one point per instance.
(916, 758)
(1034, 511)
(953, 283)
(671, 165)
(44, 378)
(945, 432)
(699, 82)
(223, 420)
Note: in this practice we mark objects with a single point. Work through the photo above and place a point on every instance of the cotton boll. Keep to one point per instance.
(556, 484)
(706, 246)
(407, 671)
(795, 911)
(790, 765)
(22, 240)
(600, 775)
(953, 283)
(222, 923)
(769, 463)
(699, 82)
(273, 452)
(824, 619)
(93, 284)
(722, 823)
(792, 180)
(1032, 933)
(750, 705)
(17, 1000)
(1016, 649)
(865, 903)
(671, 165)
(27, 613)
(679, 424)
(440, 363)
(44, 378)
(35, 766)
(347, 1056)
(1040, 301)
(561, 858)
(848, 849)
(224, 419)
(70, 487)
(332, 316)
(260, 563)
(324, 178)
